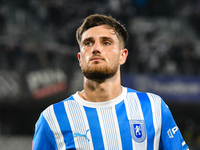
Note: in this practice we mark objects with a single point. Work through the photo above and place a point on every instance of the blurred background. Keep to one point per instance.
(38, 58)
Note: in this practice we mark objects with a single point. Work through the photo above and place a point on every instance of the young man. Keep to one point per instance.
(106, 115)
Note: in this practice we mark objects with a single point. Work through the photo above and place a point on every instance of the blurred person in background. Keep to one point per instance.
(106, 115)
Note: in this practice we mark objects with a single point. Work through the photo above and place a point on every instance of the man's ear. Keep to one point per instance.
(123, 56)
(79, 58)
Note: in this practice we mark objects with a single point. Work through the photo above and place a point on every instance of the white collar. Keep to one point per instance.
(101, 104)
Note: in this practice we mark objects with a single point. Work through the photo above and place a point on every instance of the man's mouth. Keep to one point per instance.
(96, 59)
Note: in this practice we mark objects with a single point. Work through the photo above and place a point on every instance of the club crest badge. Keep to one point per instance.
(138, 130)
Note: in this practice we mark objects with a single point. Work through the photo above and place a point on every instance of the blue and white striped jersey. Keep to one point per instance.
(132, 121)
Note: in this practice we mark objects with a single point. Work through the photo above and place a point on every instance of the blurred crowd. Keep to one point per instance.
(164, 36)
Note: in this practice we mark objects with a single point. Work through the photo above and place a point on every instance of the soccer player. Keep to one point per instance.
(106, 115)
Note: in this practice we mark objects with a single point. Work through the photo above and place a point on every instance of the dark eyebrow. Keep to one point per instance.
(88, 39)
(106, 38)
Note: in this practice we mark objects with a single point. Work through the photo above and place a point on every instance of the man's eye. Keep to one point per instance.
(88, 43)
(107, 43)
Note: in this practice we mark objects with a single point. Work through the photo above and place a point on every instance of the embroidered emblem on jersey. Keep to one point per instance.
(138, 130)
(82, 135)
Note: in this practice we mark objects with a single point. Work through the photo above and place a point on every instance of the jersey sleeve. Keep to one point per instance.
(43, 137)
(171, 138)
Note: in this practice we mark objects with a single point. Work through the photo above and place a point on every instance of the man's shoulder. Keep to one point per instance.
(129, 90)
(143, 94)
(59, 104)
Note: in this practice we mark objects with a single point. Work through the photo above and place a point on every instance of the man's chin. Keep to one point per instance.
(99, 72)
(98, 75)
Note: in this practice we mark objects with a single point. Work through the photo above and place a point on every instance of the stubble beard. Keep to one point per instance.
(99, 72)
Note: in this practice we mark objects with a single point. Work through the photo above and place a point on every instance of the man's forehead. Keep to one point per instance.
(99, 31)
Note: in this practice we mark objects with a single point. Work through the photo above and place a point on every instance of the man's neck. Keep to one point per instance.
(101, 91)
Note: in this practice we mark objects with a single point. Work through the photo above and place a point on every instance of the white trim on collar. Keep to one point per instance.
(101, 104)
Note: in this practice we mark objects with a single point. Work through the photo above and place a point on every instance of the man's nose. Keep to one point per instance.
(97, 48)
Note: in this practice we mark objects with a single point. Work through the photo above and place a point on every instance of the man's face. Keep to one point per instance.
(100, 53)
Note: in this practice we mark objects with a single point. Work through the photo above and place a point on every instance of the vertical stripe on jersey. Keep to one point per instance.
(124, 126)
(157, 119)
(134, 112)
(147, 110)
(110, 128)
(94, 128)
(64, 124)
(50, 117)
(79, 125)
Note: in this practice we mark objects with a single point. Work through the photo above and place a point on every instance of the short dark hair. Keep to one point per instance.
(98, 20)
